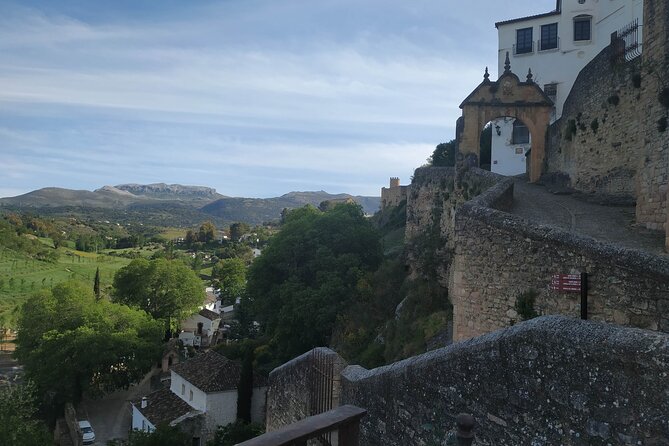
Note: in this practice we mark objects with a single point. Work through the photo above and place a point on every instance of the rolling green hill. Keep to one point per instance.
(168, 204)
(21, 274)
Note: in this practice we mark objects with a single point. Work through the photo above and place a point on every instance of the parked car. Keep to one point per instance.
(87, 432)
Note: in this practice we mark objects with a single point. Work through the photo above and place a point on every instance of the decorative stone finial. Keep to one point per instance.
(507, 64)
(529, 75)
(486, 75)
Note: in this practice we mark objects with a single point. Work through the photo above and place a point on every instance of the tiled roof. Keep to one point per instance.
(530, 17)
(211, 315)
(212, 372)
(163, 406)
(210, 297)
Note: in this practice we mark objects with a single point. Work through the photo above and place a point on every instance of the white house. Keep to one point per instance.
(202, 389)
(199, 328)
(556, 46)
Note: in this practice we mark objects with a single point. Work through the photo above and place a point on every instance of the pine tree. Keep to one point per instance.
(96, 284)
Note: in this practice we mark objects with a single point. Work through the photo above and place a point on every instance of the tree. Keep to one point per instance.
(443, 155)
(163, 288)
(237, 230)
(245, 387)
(98, 346)
(190, 238)
(308, 275)
(207, 232)
(230, 275)
(18, 423)
(96, 284)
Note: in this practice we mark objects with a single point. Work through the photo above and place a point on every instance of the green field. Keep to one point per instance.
(20, 276)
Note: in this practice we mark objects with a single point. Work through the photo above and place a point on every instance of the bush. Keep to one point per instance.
(235, 433)
(525, 304)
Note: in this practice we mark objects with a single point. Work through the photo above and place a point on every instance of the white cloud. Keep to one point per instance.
(327, 88)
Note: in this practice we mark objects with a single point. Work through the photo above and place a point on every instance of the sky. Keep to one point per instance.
(255, 98)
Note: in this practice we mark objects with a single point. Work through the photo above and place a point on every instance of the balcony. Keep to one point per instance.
(523, 49)
(549, 44)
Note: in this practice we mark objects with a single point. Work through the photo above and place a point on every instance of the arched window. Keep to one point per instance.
(521, 134)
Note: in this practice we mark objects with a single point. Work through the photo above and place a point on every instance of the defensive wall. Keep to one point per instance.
(500, 255)
(393, 195)
(612, 140)
(292, 387)
(552, 380)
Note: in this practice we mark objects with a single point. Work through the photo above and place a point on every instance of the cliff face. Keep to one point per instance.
(171, 191)
(434, 196)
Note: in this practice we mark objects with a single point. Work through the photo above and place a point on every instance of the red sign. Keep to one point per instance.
(566, 283)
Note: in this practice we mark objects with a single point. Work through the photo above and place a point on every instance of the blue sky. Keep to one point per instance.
(255, 98)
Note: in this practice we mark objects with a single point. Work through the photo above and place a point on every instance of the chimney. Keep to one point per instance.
(145, 402)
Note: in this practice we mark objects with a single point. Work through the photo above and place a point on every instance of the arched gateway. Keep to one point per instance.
(508, 96)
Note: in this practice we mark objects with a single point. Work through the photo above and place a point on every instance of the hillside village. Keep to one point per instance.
(539, 235)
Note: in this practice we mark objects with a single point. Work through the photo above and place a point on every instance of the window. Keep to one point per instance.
(183, 389)
(524, 41)
(582, 28)
(521, 134)
(549, 37)
(190, 397)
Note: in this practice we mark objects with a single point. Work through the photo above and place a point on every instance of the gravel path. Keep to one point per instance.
(613, 224)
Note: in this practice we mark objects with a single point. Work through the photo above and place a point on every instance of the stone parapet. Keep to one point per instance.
(549, 381)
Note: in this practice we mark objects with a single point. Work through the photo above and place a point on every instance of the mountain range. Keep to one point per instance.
(171, 204)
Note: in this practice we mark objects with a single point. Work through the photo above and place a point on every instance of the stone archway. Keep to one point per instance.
(507, 96)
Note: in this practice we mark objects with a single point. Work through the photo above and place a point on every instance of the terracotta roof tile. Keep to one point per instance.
(213, 372)
(163, 406)
(211, 315)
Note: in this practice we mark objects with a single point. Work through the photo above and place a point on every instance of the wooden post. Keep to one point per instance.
(584, 296)
(349, 434)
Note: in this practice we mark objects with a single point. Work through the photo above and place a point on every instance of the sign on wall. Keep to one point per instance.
(566, 283)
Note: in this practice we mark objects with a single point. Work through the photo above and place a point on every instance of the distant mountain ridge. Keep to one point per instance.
(170, 191)
(187, 204)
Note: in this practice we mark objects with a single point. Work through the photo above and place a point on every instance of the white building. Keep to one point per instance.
(555, 46)
(202, 396)
(199, 328)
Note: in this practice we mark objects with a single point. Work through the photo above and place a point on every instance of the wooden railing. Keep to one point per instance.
(345, 420)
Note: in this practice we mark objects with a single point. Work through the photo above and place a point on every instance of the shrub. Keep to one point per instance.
(613, 99)
(525, 304)
(594, 125)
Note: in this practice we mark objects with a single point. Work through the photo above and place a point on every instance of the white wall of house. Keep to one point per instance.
(189, 338)
(561, 65)
(208, 326)
(195, 397)
(140, 422)
(221, 408)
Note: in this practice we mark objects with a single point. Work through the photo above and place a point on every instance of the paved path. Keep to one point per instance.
(613, 224)
(111, 416)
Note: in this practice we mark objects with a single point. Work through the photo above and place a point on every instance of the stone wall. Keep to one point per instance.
(607, 142)
(393, 195)
(291, 388)
(434, 195)
(654, 167)
(597, 142)
(500, 255)
(549, 381)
